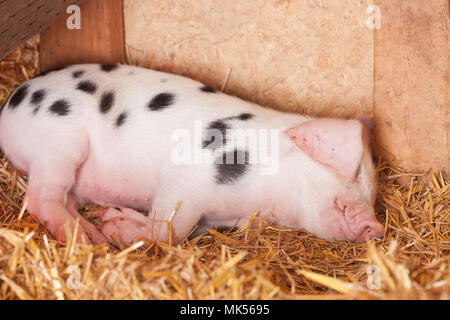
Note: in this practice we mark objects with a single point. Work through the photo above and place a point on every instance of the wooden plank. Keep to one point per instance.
(21, 19)
(100, 39)
(314, 57)
(411, 101)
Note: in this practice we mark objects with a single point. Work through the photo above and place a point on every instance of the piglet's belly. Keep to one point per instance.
(112, 187)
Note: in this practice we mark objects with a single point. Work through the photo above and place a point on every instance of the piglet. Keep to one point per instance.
(134, 139)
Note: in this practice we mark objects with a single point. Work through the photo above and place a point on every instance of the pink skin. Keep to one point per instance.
(88, 228)
(83, 156)
(344, 220)
(352, 221)
(336, 144)
(122, 225)
(46, 203)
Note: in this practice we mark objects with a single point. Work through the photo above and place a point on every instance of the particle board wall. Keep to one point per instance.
(300, 55)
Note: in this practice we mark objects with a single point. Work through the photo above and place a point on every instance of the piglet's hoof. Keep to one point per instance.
(121, 227)
(94, 235)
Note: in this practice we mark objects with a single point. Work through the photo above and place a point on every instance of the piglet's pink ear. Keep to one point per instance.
(334, 143)
(367, 130)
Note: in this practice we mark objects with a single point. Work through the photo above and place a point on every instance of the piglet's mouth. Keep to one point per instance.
(360, 221)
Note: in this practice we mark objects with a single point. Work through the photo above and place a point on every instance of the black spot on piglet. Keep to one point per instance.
(215, 128)
(38, 96)
(208, 89)
(161, 101)
(121, 119)
(109, 67)
(87, 86)
(77, 74)
(106, 101)
(18, 96)
(60, 107)
(245, 116)
(231, 166)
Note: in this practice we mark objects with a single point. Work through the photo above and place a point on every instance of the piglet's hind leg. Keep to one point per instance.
(47, 189)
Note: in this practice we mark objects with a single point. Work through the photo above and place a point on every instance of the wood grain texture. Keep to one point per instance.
(100, 39)
(21, 19)
(411, 96)
(308, 56)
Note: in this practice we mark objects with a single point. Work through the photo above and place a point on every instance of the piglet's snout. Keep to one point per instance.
(370, 230)
(363, 223)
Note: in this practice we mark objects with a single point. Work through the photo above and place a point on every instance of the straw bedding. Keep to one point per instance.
(256, 261)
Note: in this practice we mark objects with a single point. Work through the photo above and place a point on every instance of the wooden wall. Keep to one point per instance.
(312, 56)
(411, 97)
(100, 39)
(21, 19)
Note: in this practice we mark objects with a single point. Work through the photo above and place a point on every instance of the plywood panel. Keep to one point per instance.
(100, 38)
(412, 83)
(299, 55)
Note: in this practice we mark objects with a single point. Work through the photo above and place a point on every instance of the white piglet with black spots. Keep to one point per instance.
(143, 140)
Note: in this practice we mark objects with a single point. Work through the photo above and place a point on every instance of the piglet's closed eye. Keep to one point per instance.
(335, 143)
